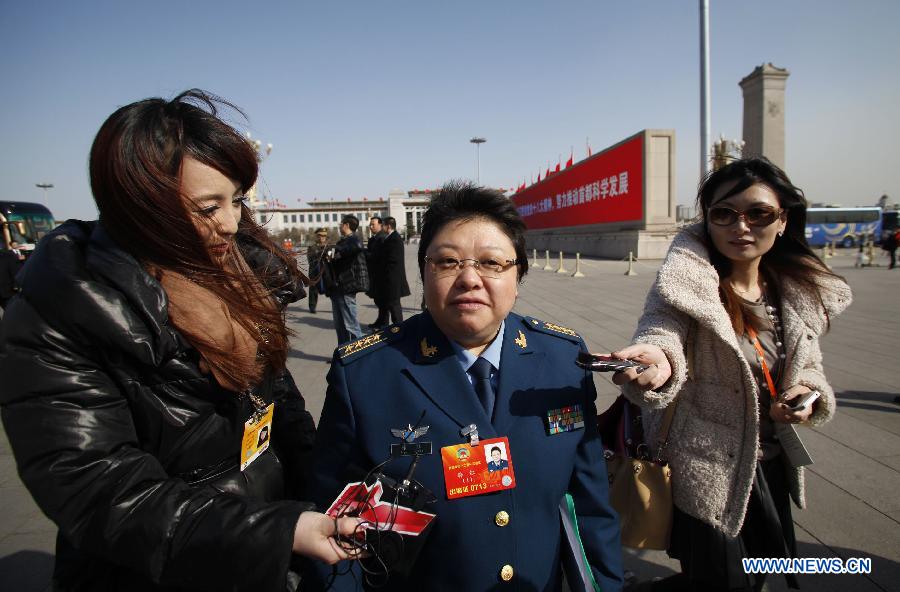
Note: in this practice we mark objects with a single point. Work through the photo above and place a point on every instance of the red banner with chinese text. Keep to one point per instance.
(607, 187)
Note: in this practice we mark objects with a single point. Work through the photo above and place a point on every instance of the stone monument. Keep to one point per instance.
(764, 112)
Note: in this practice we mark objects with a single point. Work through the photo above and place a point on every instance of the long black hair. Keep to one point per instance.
(790, 257)
(135, 169)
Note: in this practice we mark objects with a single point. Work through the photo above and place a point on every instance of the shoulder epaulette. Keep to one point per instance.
(551, 329)
(367, 344)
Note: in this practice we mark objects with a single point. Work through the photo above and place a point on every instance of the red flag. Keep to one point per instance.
(548, 172)
(570, 162)
(539, 177)
(588, 147)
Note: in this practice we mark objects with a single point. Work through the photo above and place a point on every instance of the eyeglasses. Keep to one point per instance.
(489, 268)
(756, 216)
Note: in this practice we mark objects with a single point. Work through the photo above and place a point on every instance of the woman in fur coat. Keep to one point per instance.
(740, 296)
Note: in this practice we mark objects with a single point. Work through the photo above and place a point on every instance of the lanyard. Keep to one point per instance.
(754, 339)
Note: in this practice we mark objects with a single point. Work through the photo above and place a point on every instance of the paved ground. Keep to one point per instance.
(853, 489)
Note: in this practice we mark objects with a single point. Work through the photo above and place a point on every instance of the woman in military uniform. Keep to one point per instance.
(464, 376)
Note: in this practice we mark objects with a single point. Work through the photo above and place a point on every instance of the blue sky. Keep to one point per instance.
(362, 97)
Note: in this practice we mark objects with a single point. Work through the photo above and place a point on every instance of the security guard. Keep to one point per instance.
(469, 361)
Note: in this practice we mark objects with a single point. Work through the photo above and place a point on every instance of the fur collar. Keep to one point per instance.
(689, 282)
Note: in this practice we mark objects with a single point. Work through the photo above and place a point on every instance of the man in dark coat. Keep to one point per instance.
(376, 273)
(392, 275)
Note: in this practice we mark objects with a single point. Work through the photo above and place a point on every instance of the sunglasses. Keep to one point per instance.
(756, 216)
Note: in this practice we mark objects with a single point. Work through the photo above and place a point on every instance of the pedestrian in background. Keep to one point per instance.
(889, 243)
(731, 330)
(374, 264)
(15, 250)
(391, 276)
(9, 267)
(346, 275)
(143, 358)
(315, 257)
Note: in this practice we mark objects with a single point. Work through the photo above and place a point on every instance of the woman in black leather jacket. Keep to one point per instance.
(142, 358)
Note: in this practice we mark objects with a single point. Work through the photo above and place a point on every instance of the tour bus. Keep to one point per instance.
(845, 227)
(24, 223)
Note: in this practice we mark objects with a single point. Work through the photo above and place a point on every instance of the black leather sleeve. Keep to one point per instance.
(286, 285)
(293, 434)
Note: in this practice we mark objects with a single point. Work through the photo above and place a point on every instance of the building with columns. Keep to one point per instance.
(407, 207)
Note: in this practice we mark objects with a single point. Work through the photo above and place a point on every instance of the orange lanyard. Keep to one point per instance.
(754, 339)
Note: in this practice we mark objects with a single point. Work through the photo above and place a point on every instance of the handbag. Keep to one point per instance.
(640, 484)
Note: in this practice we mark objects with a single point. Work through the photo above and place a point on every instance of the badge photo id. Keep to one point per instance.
(476, 470)
(257, 436)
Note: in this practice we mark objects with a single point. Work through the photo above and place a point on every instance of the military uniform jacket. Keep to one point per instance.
(386, 380)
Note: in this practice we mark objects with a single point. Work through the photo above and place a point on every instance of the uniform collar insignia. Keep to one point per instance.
(521, 341)
(428, 351)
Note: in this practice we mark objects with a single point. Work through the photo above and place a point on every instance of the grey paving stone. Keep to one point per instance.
(851, 527)
(860, 435)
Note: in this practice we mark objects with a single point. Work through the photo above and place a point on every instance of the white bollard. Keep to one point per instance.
(547, 266)
(534, 262)
(630, 270)
(577, 273)
(561, 269)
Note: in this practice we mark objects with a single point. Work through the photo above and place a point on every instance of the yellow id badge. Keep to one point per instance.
(257, 435)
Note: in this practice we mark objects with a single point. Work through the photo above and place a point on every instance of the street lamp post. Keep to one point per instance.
(704, 88)
(46, 187)
(478, 142)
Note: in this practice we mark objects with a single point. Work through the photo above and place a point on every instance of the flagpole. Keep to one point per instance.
(705, 122)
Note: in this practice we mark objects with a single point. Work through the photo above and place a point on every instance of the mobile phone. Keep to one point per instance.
(801, 402)
(599, 363)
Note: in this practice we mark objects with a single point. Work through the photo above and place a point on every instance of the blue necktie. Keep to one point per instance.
(481, 372)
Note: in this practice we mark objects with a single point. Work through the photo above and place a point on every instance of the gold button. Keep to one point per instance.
(502, 518)
(506, 572)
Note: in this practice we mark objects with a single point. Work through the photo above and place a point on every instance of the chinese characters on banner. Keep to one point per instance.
(605, 188)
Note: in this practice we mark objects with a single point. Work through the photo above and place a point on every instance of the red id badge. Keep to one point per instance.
(476, 470)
